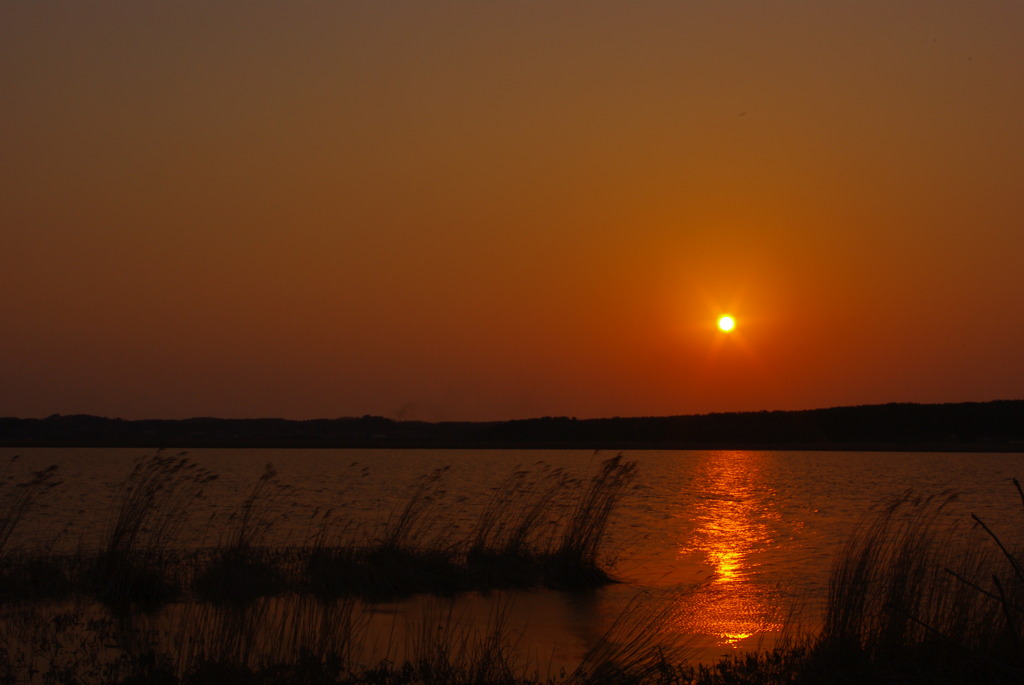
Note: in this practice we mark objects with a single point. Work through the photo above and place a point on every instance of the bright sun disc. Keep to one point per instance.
(726, 323)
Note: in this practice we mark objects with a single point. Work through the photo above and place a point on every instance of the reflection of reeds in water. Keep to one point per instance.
(442, 649)
(296, 639)
(293, 635)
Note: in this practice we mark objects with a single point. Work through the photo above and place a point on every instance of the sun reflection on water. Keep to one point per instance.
(732, 525)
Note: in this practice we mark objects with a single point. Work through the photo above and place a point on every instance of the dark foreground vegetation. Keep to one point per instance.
(910, 601)
(541, 529)
(967, 426)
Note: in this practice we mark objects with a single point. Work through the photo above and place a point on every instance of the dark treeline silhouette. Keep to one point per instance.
(970, 426)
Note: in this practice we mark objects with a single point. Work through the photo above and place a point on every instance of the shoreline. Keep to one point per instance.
(996, 426)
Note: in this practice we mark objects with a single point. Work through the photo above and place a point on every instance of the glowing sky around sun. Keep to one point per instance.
(508, 209)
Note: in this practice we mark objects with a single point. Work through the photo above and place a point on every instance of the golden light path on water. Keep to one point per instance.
(732, 525)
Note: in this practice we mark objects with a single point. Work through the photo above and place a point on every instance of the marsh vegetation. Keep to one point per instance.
(911, 599)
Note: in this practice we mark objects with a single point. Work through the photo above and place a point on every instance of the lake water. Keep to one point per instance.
(737, 540)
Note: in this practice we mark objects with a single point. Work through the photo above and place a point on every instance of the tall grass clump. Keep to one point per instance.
(330, 527)
(412, 554)
(240, 569)
(517, 528)
(26, 574)
(576, 561)
(409, 526)
(887, 577)
(17, 499)
(523, 538)
(332, 552)
(151, 507)
(915, 600)
(415, 552)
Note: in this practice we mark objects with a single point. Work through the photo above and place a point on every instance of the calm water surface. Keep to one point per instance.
(736, 540)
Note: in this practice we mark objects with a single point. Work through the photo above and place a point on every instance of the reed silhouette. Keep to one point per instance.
(32, 573)
(911, 598)
(243, 567)
(516, 532)
(576, 561)
(913, 601)
(151, 507)
(530, 535)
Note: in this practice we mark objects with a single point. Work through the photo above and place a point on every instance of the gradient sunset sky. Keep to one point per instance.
(493, 210)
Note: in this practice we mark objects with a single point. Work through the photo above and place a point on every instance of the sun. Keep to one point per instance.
(726, 323)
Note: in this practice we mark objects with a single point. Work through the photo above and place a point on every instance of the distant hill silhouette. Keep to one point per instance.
(970, 426)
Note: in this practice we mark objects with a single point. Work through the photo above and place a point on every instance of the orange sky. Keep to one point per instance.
(489, 210)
